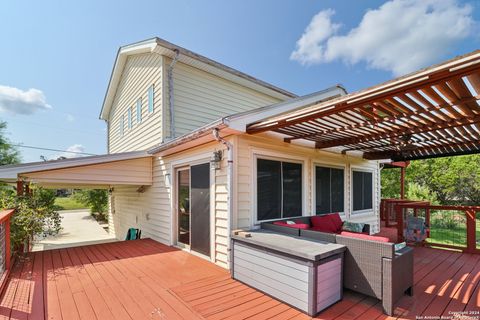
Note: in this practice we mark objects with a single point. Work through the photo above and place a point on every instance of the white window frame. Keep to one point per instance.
(267, 155)
(152, 87)
(363, 212)
(138, 106)
(129, 118)
(314, 185)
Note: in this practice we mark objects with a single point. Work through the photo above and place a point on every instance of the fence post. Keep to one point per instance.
(471, 237)
(399, 216)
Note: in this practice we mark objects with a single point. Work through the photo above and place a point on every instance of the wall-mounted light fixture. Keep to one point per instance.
(110, 190)
(216, 160)
(168, 179)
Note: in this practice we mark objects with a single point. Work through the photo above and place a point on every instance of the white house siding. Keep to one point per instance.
(201, 97)
(140, 72)
(247, 146)
(148, 210)
(151, 211)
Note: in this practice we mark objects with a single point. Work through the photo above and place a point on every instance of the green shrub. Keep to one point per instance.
(35, 214)
(96, 199)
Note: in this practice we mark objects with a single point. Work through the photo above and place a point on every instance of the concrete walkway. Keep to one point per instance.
(78, 229)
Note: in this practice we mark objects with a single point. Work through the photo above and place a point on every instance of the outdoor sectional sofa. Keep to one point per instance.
(372, 266)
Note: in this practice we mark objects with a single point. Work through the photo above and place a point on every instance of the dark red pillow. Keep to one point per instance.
(337, 221)
(364, 236)
(323, 223)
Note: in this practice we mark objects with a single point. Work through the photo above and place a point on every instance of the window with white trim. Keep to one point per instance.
(279, 189)
(329, 190)
(139, 110)
(129, 118)
(150, 99)
(362, 189)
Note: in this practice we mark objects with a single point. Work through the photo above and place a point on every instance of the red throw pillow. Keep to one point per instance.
(295, 225)
(323, 223)
(364, 236)
(337, 221)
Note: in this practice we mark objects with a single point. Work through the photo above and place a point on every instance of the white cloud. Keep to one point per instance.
(400, 36)
(72, 148)
(17, 101)
(70, 118)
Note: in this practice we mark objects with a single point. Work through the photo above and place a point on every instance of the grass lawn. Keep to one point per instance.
(68, 203)
(452, 236)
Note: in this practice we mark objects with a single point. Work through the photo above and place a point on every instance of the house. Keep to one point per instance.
(162, 104)
(197, 149)
(168, 100)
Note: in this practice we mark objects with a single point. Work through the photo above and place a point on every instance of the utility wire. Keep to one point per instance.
(56, 150)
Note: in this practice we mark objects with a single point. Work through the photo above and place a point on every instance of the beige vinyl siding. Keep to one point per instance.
(201, 97)
(140, 72)
(261, 145)
(130, 172)
(148, 210)
(151, 211)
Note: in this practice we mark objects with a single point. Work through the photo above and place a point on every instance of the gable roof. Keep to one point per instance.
(165, 48)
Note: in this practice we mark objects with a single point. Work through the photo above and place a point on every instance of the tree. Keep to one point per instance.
(450, 180)
(35, 214)
(96, 199)
(8, 153)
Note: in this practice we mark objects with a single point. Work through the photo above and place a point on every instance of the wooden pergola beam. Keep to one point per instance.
(426, 152)
(447, 124)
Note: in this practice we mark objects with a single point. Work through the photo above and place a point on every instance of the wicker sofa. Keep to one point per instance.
(371, 267)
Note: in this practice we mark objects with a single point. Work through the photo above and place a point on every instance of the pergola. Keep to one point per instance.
(431, 113)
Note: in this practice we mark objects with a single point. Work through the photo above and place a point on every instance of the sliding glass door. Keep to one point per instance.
(193, 213)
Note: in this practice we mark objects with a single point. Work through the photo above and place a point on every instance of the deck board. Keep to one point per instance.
(144, 279)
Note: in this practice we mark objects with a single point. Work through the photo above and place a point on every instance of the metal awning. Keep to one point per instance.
(129, 168)
(430, 113)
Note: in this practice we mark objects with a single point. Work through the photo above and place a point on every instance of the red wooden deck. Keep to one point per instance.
(143, 279)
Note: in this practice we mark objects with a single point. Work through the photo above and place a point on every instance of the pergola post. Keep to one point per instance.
(402, 183)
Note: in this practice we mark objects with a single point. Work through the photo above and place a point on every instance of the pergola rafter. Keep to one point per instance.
(430, 113)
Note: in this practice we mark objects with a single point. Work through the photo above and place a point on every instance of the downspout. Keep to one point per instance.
(170, 92)
(229, 146)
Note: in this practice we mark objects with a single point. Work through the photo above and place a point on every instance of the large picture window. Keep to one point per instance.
(329, 190)
(362, 182)
(279, 189)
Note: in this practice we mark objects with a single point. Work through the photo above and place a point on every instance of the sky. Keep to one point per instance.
(56, 57)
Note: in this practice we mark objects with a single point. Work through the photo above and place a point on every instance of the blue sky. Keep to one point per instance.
(65, 50)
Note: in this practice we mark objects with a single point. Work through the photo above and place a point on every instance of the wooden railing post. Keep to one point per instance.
(399, 216)
(8, 253)
(471, 236)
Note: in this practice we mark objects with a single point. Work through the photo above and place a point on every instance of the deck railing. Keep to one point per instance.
(5, 250)
(387, 210)
(452, 227)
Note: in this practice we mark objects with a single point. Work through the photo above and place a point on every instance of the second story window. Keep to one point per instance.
(139, 110)
(129, 118)
(150, 99)
(120, 125)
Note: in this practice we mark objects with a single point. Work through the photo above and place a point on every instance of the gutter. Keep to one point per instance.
(229, 146)
(170, 93)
